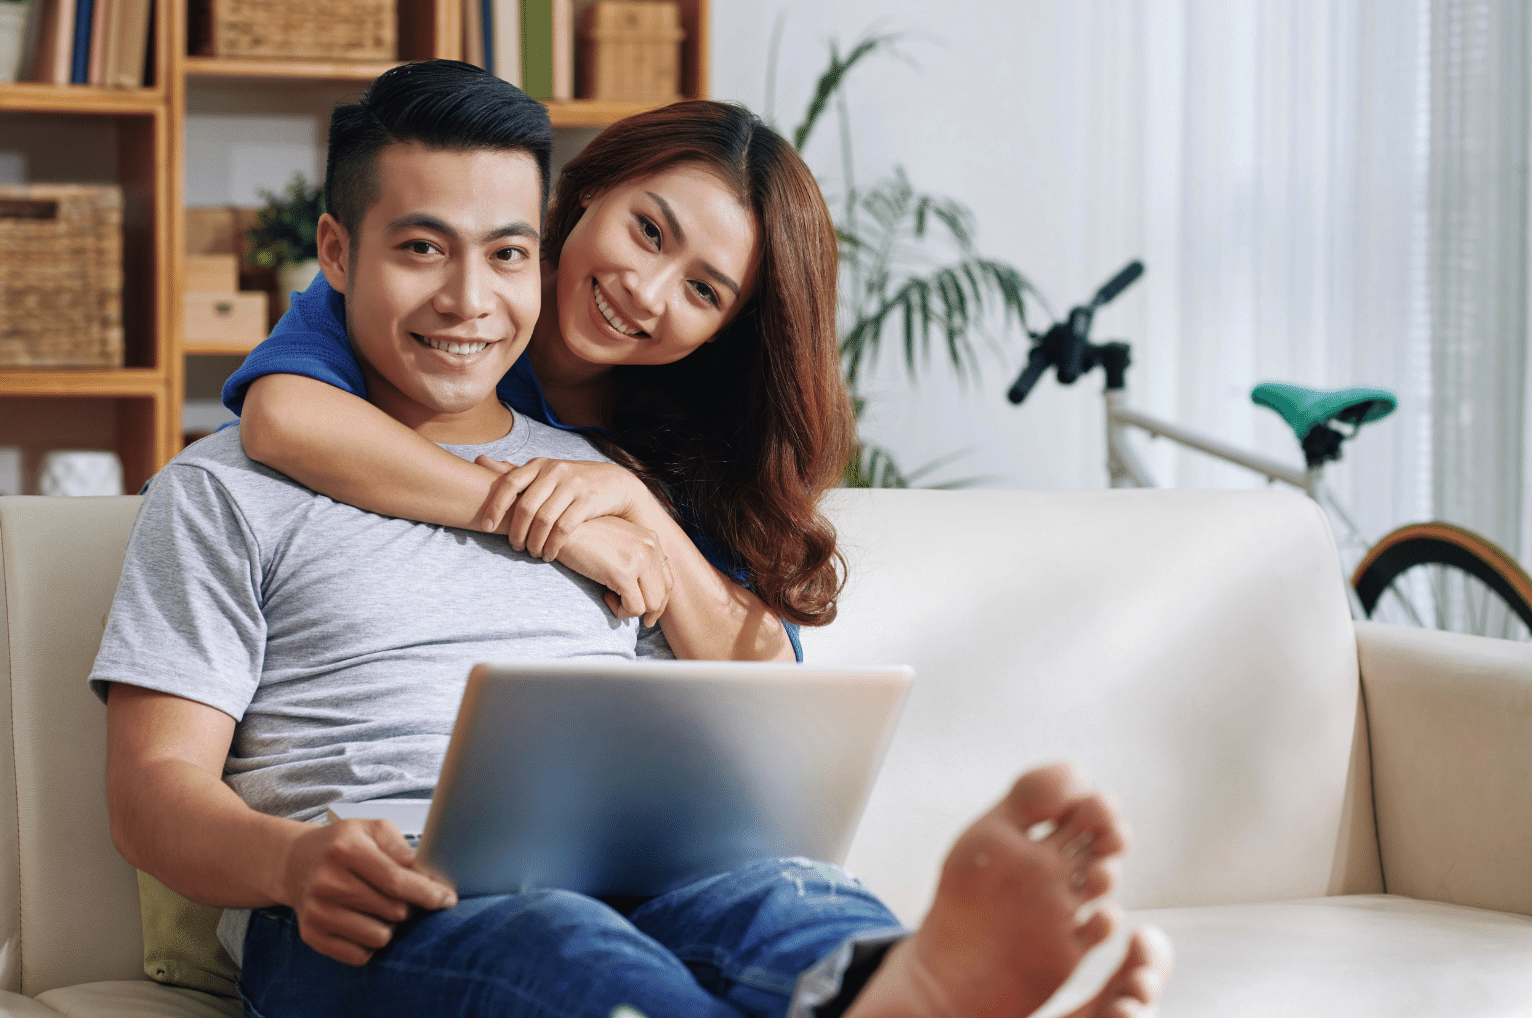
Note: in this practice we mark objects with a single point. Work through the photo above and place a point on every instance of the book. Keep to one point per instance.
(129, 45)
(507, 36)
(79, 66)
(473, 33)
(95, 62)
(537, 48)
(563, 49)
(26, 68)
(62, 42)
(55, 37)
(487, 29)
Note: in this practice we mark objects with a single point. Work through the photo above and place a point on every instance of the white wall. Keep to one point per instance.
(1019, 109)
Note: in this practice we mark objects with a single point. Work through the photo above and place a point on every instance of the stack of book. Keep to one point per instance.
(529, 43)
(87, 42)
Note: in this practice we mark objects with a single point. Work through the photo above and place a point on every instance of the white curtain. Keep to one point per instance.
(1478, 262)
(1350, 209)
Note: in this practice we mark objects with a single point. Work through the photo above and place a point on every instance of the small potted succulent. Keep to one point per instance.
(283, 237)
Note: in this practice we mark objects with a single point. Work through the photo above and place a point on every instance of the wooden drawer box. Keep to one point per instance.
(234, 320)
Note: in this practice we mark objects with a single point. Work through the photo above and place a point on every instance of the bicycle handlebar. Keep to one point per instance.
(1037, 363)
(1066, 346)
(1117, 284)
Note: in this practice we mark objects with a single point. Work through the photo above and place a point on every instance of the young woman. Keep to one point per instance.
(689, 270)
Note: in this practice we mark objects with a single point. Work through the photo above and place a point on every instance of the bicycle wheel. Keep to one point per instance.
(1439, 576)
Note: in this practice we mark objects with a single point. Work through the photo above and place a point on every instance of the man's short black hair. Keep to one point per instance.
(441, 104)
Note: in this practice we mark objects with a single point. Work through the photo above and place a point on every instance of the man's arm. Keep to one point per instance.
(173, 817)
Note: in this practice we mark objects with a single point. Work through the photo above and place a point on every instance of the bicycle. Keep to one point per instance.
(1432, 575)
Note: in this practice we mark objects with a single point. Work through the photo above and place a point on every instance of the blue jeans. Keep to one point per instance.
(727, 946)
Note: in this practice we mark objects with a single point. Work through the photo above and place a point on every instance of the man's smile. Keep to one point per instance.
(449, 345)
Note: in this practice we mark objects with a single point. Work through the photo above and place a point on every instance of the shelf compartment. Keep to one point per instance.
(33, 97)
(128, 425)
(82, 382)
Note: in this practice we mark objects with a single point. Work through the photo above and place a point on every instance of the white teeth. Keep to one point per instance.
(450, 347)
(610, 315)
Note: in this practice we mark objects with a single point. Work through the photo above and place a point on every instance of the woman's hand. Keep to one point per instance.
(547, 500)
(625, 558)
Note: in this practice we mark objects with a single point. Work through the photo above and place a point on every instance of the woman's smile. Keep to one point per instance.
(611, 315)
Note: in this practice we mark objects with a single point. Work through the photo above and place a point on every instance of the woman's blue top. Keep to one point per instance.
(310, 339)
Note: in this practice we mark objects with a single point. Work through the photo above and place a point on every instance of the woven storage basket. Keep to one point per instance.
(294, 29)
(60, 276)
(631, 49)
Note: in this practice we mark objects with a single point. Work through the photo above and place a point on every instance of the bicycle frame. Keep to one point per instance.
(1126, 470)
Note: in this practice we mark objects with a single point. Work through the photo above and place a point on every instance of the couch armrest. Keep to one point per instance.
(1450, 719)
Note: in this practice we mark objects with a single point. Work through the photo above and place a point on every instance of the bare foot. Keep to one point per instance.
(1010, 923)
(1136, 984)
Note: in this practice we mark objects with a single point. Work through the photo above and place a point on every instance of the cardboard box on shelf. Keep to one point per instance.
(212, 273)
(233, 320)
(221, 230)
(218, 229)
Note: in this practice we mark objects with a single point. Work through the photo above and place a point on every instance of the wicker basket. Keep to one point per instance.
(60, 276)
(631, 49)
(294, 29)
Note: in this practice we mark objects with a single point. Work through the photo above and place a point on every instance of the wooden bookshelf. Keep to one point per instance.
(292, 70)
(29, 97)
(136, 409)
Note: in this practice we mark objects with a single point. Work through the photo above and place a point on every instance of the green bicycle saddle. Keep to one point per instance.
(1303, 409)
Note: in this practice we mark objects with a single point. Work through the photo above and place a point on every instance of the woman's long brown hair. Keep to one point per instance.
(744, 435)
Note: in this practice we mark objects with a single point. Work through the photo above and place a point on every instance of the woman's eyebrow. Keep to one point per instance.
(725, 280)
(670, 216)
(420, 221)
(675, 228)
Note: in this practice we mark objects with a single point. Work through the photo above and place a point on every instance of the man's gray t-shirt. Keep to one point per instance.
(340, 640)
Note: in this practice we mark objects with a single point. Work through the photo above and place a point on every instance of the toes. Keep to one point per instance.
(1045, 794)
(1095, 880)
(1093, 825)
(1135, 987)
(1144, 968)
(1098, 927)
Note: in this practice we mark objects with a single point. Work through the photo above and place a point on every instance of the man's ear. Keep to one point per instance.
(334, 251)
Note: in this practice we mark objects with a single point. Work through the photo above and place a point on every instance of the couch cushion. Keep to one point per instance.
(14, 1005)
(1192, 649)
(1346, 957)
(78, 914)
(137, 998)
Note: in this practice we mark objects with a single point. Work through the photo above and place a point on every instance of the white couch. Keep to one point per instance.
(1330, 819)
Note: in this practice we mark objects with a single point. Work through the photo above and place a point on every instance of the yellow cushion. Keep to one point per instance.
(181, 944)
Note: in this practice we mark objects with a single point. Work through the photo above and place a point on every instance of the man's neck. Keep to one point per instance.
(489, 421)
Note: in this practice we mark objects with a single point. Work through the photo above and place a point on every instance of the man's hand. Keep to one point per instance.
(626, 559)
(544, 501)
(351, 883)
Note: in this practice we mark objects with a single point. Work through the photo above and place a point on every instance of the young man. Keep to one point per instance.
(271, 651)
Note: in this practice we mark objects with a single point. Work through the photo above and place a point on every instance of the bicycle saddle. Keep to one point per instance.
(1304, 409)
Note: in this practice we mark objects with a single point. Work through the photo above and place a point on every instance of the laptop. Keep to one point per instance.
(630, 779)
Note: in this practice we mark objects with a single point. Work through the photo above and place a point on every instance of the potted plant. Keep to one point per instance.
(283, 237)
(13, 31)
